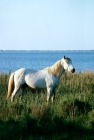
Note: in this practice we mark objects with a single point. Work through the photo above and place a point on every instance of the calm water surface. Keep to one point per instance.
(13, 60)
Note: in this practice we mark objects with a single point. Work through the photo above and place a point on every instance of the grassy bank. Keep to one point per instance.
(71, 116)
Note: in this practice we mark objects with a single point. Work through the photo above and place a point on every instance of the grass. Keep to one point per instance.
(71, 116)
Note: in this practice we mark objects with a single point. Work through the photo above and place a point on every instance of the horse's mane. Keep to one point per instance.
(67, 59)
(55, 69)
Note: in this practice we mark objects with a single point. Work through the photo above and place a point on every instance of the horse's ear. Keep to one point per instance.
(64, 57)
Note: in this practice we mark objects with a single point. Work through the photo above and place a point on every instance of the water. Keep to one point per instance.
(13, 60)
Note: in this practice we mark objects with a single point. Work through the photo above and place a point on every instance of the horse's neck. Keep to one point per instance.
(57, 69)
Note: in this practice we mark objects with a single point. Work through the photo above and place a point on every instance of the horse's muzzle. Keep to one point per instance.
(73, 70)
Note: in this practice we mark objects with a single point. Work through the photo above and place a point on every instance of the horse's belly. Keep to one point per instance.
(39, 83)
(36, 83)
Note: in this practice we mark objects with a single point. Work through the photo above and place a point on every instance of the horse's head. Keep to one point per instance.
(67, 64)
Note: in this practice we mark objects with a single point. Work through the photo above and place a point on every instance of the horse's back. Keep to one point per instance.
(22, 70)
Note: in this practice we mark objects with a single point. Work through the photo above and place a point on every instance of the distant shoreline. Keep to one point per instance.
(46, 50)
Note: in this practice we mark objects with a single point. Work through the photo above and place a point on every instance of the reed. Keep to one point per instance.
(72, 113)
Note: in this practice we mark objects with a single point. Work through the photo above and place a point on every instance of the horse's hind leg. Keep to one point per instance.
(14, 92)
(23, 87)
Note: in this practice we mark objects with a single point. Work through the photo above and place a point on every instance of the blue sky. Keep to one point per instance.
(47, 24)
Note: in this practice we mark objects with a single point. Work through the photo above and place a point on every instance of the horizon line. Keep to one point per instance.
(45, 50)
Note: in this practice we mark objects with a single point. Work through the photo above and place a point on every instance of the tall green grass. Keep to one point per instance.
(71, 116)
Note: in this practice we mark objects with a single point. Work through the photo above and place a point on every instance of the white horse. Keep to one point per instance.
(46, 78)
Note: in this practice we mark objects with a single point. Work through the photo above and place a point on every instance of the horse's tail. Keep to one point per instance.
(10, 85)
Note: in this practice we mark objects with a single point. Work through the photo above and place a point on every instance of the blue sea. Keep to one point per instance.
(13, 60)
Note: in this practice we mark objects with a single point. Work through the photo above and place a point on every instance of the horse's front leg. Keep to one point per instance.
(53, 94)
(49, 93)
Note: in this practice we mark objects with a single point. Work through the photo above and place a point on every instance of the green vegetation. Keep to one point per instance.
(71, 116)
